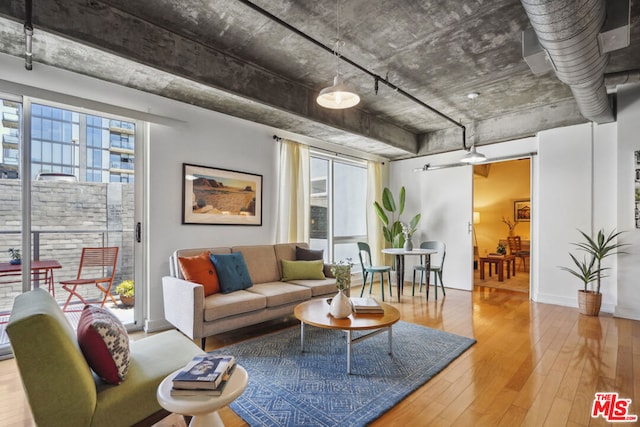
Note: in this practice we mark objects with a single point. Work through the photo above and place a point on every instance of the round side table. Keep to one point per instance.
(202, 408)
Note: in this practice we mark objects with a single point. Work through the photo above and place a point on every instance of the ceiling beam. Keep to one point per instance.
(96, 25)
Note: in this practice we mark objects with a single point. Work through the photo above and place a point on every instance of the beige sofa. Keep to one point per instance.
(186, 307)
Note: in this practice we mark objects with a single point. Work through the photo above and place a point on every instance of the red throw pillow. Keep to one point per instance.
(200, 269)
(104, 342)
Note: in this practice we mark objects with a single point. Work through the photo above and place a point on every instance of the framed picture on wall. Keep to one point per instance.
(522, 210)
(220, 196)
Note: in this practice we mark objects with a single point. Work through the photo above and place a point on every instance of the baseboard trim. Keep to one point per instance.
(157, 325)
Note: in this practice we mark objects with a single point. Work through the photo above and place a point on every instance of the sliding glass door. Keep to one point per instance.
(81, 192)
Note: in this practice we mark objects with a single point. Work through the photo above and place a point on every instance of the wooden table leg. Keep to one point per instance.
(500, 264)
(482, 269)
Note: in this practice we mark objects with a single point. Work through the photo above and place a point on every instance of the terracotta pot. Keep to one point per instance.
(589, 302)
(126, 301)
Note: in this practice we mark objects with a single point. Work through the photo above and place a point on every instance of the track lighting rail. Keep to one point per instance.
(376, 77)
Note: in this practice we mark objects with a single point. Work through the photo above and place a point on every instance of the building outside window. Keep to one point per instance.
(90, 147)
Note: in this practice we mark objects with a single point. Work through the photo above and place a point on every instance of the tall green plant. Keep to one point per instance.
(584, 270)
(599, 248)
(391, 225)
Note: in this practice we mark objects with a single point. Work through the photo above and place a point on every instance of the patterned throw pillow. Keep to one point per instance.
(104, 342)
(199, 269)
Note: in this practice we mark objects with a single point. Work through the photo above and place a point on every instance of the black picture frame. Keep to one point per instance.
(522, 210)
(216, 196)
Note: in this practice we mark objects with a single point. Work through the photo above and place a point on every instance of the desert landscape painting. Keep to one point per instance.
(219, 196)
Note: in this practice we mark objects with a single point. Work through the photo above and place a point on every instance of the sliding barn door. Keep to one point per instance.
(447, 205)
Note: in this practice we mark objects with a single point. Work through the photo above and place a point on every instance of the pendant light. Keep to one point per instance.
(338, 96)
(473, 156)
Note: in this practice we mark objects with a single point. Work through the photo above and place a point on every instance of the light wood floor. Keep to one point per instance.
(533, 365)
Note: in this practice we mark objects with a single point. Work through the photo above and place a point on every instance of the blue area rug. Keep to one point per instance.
(290, 388)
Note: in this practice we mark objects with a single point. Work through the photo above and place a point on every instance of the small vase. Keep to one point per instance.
(408, 245)
(340, 306)
(15, 261)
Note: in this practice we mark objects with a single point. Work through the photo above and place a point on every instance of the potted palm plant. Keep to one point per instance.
(126, 291)
(590, 269)
(392, 227)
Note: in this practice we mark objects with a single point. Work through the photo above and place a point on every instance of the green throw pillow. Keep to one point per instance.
(300, 270)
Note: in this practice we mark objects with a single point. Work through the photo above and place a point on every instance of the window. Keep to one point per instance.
(66, 141)
(338, 206)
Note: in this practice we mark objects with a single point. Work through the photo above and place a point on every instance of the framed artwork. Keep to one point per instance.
(220, 196)
(522, 210)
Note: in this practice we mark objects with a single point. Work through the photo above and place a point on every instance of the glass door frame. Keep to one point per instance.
(140, 136)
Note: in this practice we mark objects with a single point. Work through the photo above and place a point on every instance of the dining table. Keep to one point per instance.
(40, 269)
(399, 254)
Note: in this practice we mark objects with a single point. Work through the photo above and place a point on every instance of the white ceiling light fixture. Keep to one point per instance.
(339, 96)
(473, 156)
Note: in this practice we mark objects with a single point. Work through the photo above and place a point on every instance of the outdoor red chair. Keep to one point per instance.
(97, 267)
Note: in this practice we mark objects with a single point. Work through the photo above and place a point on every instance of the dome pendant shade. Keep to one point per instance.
(473, 156)
(337, 96)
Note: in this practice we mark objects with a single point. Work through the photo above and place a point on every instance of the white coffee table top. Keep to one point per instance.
(199, 405)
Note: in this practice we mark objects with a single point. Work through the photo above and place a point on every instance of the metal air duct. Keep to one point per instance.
(568, 31)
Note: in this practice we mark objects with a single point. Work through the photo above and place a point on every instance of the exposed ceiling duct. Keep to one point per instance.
(568, 32)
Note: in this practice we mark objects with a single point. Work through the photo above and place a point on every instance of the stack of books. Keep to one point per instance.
(205, 375)
(366, 306)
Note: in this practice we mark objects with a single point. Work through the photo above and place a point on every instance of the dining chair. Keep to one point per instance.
(97, 267)
(364, 253)
(515, 249)
(436, 266)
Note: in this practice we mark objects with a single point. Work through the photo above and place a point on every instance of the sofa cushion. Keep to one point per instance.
(304, 254)
(104, 342)
(318, 287)
(199, 269)
(221, 305)
(280, 293)
(232, 272)
(295, 270)
(261, 262)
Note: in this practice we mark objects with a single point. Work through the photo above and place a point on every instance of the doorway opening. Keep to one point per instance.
(502, 231)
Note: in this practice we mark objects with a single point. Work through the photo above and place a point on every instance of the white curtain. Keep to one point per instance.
(292, 218)
(374, 226)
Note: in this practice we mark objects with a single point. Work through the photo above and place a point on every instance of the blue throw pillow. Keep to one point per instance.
(232, 272)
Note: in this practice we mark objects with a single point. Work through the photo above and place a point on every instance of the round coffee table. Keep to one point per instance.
(203, 408)
(316, 313)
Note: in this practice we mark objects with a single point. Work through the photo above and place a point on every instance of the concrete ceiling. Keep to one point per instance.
(225, 56)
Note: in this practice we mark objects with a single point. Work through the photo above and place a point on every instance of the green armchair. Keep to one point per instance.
(61, 388)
